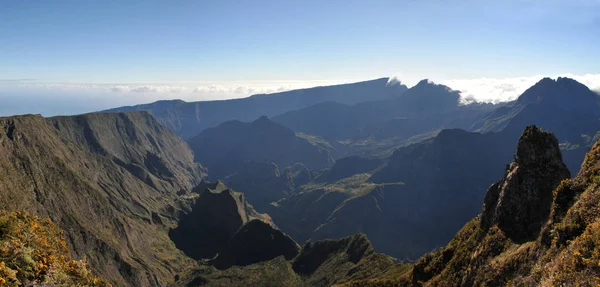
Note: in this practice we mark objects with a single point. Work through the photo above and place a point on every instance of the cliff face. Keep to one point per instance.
(109, 181)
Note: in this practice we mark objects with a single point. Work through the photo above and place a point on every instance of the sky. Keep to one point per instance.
(66, 57)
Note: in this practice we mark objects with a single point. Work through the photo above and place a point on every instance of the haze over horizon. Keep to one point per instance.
(80, 58)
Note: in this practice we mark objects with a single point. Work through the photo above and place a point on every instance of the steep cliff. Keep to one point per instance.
(110, 181)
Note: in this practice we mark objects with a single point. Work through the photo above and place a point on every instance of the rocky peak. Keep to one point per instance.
(536, 147)
(520, 203)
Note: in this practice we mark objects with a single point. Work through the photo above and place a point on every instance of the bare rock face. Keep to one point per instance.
(520, 203)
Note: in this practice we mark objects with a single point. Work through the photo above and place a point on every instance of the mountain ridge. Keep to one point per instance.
(187, 119)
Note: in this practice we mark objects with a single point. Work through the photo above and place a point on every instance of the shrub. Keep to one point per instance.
(33, 250)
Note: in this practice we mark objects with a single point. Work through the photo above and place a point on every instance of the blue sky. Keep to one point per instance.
(169, 49)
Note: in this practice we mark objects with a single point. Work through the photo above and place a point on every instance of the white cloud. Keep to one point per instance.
(506, 89)
(156, 89)
(246, 90)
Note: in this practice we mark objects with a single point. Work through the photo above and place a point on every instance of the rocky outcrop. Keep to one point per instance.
(520, 203)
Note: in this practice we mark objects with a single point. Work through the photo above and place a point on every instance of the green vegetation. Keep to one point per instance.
(33, 250)
(353, 186)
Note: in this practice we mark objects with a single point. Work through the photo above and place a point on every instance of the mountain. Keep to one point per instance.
(537, 227)
(224, 149)
(114, 182)
(189, 119)
(566, 107)
(423, 108)
(419, 197)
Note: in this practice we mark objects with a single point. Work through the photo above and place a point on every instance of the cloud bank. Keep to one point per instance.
(32, 96)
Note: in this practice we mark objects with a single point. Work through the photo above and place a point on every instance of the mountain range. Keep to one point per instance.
(360, 184)
(188, 119)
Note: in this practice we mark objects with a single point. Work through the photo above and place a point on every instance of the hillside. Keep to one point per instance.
(110, 181)
(189, 119)
(224, 149)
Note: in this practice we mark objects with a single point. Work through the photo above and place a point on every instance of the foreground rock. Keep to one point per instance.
(520, 203)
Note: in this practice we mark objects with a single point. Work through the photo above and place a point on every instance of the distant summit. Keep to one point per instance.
(564, 91)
